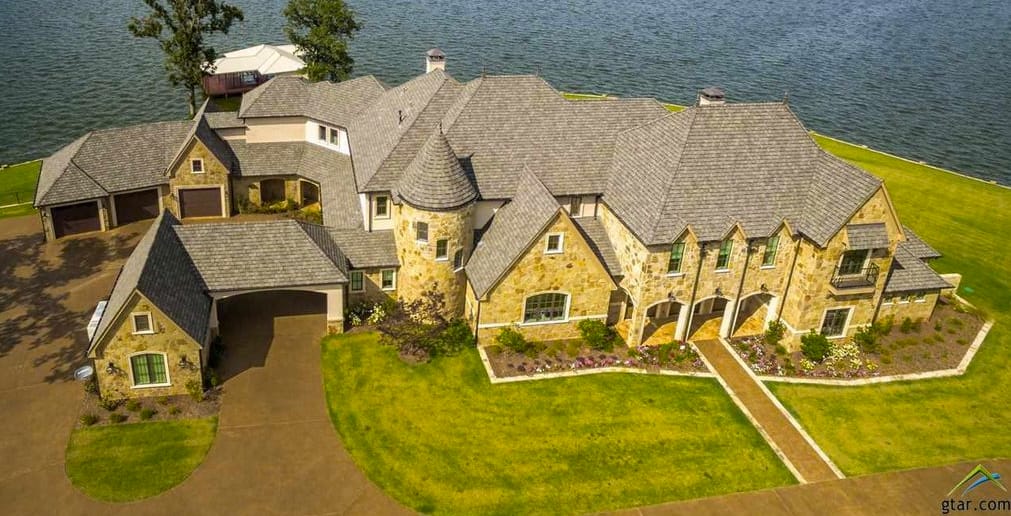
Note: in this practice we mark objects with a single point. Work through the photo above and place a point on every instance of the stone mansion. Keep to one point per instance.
(525, 209)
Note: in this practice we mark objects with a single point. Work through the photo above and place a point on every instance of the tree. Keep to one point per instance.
(321, 30)
(420, 331)
(180, 27)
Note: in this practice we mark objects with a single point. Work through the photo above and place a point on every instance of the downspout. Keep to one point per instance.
(740, 287)
(695, 291)
(477, 319)
(789, 280)
(881, 298)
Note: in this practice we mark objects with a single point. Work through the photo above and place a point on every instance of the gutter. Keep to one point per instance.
(789, 280)
(477, 320)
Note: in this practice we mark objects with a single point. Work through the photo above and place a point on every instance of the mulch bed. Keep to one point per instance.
(935, 344)
(167, 408)
(572, 355)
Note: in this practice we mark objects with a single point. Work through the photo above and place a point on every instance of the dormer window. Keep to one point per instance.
(723, 259)
(382, 207)
(576, 206)
(197, 166)
(771, 249)
(322, 134)
(677, 255)
(335, 136)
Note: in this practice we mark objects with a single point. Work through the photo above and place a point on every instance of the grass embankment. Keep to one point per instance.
(17, 185)
(933, 422)
(120, 463)
(440, 438)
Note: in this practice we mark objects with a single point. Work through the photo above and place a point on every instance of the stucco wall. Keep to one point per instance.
(419, 270)
(215, 174)
(279, 129)
(121, 343)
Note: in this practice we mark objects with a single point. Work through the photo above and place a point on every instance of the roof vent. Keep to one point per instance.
(712, 96)
(435, 59)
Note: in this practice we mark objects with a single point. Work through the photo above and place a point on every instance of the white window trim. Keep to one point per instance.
(202, 168)
(444, 258)
(375, 207)
(150, 323)
(918, 299)
(675, 274)
(846, 325)
(168, 372)
(564, 319)
(326, 134)
(351, 282)
(460, 268)
(394, 286)
(547, 243)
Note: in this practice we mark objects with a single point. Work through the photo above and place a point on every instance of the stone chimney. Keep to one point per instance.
(712, 96)
(435, 59)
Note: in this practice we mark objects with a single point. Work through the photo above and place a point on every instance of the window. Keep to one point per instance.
(335, 137)
(421, 229)
(389, 279)
(197, 166)
(723, 259)
(149, 369)
(834, 323)
(771, 249)
(575, 206)
(357, 281)
(677, 255)
(142, 322)
(853, 262)
(554, 243)
(382, 207)
(322, 134)
(546, 307)
(442, 249)
(458, 259)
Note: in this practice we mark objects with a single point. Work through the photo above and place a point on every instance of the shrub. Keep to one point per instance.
(147, 413)
(511, 339)
(780, 350)
(884, 325)
(117, 418)
(908, 326)
(774, 333)
(175, 411)
(814, 346)
(133, 405)
(163, 400)
(109, 404)
(91, 385)
(866, 338)
(598, 335)
(454, 338)
(938, 326)
(212, 377)
(196, 389)
(416, 327)
(89, 419)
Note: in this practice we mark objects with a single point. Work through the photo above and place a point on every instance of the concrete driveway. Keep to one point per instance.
(276, 451)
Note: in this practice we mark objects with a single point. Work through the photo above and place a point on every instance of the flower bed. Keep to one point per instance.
(893, 348)
(96, 412)
(573, 355)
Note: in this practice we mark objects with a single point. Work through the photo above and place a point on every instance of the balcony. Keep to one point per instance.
(848, 281)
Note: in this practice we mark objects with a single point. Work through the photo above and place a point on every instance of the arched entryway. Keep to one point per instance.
(661, 323)
(708, 316)
(754, 313)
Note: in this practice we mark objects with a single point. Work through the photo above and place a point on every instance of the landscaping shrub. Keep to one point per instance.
(175, 411)
(598, 335)
(196, 389)
(909, 325)
(938, 326)
(420, 331)
(133, 405)
(454, 338)
(780, 350)
(109, 404)
(866, 338)
(884, 325)
(814, 346)
(511, 339)
(147, 414)
(91, 385)
(89, 419)
(774, 333)
(365, 313)
(117, 418)
(163, 400)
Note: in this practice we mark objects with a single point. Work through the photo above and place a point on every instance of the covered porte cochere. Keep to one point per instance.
(708, 318)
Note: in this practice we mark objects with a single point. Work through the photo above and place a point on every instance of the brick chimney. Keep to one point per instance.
(435, 59)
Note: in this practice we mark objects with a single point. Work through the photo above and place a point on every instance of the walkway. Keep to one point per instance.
(788, 440)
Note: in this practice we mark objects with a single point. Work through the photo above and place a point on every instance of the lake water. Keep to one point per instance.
(930, 80)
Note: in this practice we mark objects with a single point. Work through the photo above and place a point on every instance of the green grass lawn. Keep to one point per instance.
(17, 184)
(120, 463)
(440, 438)
(927, 423)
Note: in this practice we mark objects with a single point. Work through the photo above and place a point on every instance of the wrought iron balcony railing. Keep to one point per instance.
(846, 278)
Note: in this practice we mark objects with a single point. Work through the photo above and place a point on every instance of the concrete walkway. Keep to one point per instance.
(787, 439)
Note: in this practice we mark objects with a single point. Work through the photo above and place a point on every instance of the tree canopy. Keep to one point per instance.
(321, 30)
(180, 27)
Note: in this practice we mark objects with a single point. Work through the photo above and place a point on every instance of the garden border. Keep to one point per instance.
(495, 379)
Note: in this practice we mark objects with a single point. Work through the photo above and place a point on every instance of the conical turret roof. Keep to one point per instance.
(435, 179)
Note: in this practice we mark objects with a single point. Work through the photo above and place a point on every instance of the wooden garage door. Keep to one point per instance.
(200, 202)
(76, 218)
(131, 207)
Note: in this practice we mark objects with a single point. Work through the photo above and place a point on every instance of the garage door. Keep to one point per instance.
(76, 218)
(200, 202)
(131, 207)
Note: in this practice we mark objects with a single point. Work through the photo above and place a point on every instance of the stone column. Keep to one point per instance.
(682, 327)
(727, 324)
(770, 310)
(334, 310)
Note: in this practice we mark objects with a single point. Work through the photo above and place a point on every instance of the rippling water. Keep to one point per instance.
(926, 79)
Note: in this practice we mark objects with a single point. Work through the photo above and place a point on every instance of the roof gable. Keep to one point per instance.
(331, 102)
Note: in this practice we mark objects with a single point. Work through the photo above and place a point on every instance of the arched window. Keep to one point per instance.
(149, 369)
(551, 306)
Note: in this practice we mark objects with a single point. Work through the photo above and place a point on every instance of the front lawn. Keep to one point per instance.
(927, 422)
(440, 438)
(17, 186)
(128, 462)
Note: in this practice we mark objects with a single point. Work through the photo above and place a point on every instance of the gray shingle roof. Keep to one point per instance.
(513, 228)
(867, 236)
(910, 273)
(254, 255)
(837, 190)
(333, 103)
(160, 269)
(917, 246)
(595, 234)
(366, 250)
(435, 179)
(224, 120)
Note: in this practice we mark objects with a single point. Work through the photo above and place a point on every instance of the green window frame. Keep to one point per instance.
(149, 369)
(834, 322)
(723, 259)
(677, 255)
(357, 281)
(771, 250)
(550, 306)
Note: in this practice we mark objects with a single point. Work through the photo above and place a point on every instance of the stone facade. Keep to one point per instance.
(419, 269)
(120, 343)
(373, 292)
(575, 271)
(247, 189)
(904, 305)
(215, 174)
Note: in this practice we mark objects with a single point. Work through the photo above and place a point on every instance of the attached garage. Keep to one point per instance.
(76, 218)
(134, 206)
(200, 202)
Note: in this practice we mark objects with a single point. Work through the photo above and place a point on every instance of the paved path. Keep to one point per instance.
(792, 444)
